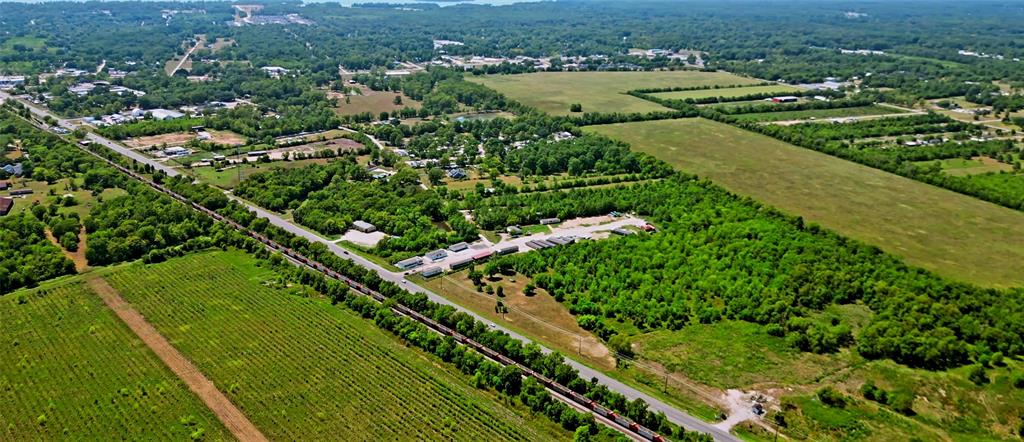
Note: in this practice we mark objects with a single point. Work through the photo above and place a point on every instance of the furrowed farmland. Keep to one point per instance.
(71, 370)
(952, 234)
(302, 369)
(554, 92)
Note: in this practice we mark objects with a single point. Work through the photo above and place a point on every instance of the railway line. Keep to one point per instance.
(560, 392)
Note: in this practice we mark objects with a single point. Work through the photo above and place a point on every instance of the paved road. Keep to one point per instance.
(112, 145)
(680, 418)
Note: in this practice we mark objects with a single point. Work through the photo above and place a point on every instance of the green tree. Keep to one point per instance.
(435, 175)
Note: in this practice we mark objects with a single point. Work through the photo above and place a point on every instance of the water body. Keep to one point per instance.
(341, 2)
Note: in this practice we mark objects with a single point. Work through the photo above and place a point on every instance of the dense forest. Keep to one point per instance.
(718, 256)
(796, 42)
(27, 256)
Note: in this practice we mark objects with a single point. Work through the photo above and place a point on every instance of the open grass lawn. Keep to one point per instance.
(41, 195)
(71, 370)
(554, 92)
(952, 234)
(228, 178)
(302, 369)
(859, 111)
(732, 354)
(372, 101)
(728, 92)
(540, 315)
(973, 166)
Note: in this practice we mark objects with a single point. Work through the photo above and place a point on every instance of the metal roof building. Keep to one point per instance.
(363, 226)
(410, 263)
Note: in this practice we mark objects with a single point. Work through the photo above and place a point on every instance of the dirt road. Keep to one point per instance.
(229, 415)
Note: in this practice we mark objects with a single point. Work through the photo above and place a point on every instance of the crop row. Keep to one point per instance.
(72, 370)
(301, 368)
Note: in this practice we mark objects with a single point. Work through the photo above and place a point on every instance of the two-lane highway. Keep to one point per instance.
(673, 414)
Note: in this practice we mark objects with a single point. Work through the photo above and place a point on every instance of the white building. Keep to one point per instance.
(11, 81)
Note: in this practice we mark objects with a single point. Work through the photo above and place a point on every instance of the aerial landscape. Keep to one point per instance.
(576, 220)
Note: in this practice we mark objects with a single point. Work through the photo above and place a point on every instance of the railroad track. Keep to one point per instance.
(614, 420)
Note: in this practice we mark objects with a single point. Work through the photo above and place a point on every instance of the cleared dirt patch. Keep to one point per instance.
(171, 139)
(223, 137)
(229, 415)
(78, 256)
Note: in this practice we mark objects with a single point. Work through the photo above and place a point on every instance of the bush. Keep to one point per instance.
(1018, 380)
(902, 403)
(831, 397)
(978, 375)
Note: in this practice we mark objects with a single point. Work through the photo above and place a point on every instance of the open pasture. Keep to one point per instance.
(818, 114)
(371, 101)
(554, 92)
(954, 235)
(728, 92)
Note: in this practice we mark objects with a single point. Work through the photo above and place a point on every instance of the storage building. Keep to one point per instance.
(508, 250)
(461, 263)
(363, 226)
(410, 263)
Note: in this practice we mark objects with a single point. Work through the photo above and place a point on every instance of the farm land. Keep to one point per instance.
(843, 112)
(554, 92)
(302, 369)
(72, 369)
(923, 224)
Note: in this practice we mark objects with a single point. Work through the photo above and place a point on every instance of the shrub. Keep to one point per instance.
(831, 397)
(978, 375)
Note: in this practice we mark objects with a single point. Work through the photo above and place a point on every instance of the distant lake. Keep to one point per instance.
(343, 2)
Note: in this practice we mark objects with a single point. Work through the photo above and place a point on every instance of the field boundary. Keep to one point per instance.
(232, 418)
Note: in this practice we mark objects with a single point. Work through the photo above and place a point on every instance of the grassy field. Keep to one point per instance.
(371, 101)
(859, 111)
(553, 92)
(728, 92)
(952, 234)
(973, 166)
(947, 406)
(302, 369)
(71, 370)
(228, 178)
(41, 195)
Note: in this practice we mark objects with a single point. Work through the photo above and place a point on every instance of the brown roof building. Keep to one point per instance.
(6, 204)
